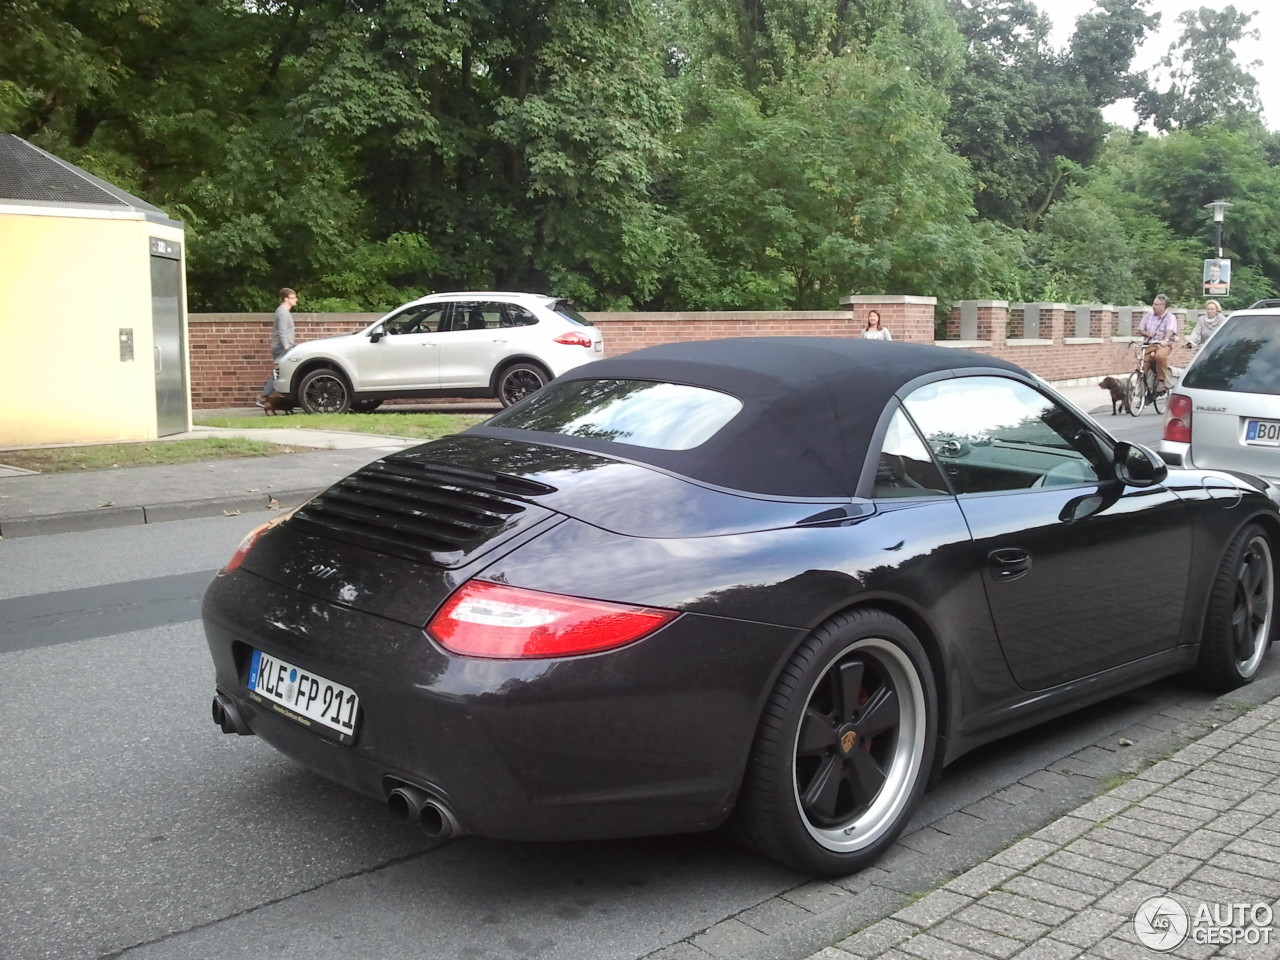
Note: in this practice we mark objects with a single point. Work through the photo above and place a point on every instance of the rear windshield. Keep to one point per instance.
(1242, 357)
(563, 308)
(662, 416)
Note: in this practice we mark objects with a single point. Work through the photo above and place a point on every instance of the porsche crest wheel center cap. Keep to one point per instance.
(848, 740)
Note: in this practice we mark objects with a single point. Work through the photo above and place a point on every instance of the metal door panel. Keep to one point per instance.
(166, 326)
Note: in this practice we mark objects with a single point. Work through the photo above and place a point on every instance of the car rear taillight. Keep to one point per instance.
(252, 536)
(484, 619)
(1177, 421)
(242, 551)
(574, 338)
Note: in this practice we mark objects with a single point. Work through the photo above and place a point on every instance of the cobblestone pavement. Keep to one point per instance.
(1202, 827)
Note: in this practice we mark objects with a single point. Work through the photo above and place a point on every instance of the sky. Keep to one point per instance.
(1266, 21)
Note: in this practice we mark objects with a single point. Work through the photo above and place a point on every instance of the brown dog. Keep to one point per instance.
(1119, 398)
(275, 403)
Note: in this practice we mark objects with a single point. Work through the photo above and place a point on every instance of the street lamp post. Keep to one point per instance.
(1219, 210)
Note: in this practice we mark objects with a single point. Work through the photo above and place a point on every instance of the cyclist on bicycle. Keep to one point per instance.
(1159, 330)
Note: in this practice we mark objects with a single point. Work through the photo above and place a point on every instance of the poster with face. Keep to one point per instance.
(1217, 277)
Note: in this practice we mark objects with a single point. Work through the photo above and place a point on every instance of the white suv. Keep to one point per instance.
(473, 344)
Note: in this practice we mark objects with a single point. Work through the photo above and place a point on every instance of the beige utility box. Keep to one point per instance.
(92, 308)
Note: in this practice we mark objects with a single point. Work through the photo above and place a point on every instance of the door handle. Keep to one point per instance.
(1009, 563)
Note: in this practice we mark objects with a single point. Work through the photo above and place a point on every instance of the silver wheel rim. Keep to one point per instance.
(1251, 612)
(853, 823)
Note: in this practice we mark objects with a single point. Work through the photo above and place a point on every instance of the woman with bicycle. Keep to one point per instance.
(1206, 325)
(1159, 330)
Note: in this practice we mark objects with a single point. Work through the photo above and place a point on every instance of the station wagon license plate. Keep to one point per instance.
(1265, 432)
(304, 697)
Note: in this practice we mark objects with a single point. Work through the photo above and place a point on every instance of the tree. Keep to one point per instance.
(1019, 107)
(811, 159)
(1206, 84)
(1157, 188)
(1103, 47)
(517, 139)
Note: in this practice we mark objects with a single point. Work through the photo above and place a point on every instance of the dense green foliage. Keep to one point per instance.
(660, 154)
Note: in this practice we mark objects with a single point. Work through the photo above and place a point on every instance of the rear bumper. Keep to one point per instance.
(648, 739)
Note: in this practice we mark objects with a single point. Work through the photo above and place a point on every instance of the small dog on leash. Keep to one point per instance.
(276, 402)
(1119, 399)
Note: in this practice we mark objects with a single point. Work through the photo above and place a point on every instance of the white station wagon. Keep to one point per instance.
(1225, 412)
(470, 344)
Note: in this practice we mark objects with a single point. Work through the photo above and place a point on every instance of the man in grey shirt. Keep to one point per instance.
(281, 337)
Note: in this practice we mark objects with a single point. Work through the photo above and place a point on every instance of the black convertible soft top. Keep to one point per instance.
(810, 406)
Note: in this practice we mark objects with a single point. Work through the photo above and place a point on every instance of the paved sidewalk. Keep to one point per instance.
(37, 504)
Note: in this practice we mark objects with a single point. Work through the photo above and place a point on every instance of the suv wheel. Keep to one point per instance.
(324, 391)
(518, 381)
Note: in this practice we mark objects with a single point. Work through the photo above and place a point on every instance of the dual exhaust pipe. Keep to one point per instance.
(406, 802)
(430, 813)
(227, 716)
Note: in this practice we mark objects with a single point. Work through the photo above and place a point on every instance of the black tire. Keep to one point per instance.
(365, 406)
(324, 391)
(1137, 393)
(1157, 398)
(844, 747)
(518, 381)
(1237, 625)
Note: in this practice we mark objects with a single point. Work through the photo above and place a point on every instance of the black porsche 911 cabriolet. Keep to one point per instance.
(774, 583)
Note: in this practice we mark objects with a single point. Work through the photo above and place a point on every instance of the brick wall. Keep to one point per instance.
(231, 356)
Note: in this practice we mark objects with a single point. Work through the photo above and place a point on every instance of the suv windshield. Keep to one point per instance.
(1243, 357)
(662, 416)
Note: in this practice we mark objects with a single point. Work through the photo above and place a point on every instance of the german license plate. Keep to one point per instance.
(1265, 432)
(304, 697)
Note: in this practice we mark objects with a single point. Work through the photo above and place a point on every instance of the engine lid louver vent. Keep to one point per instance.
(420, 509)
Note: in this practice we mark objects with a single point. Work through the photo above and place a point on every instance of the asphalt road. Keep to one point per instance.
(131, 828)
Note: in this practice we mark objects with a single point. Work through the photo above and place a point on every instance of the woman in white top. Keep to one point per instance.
(1211, 321)
(874, 329)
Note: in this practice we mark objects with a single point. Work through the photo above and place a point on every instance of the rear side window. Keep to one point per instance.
(1242, 357)
(517, 316)
(662, 416)
(565, 309)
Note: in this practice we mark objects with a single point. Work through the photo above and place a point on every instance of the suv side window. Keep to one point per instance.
(476, 315)
(424, 318)
(992, 434)
(517, 316)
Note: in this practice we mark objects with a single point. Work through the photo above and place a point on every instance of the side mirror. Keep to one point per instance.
(1138, 466)
(377, 335)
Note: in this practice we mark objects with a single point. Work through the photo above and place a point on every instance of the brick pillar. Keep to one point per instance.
(958, 321)
(1053, 321)
(1018, 320)
(993, 321)
(1102, 320)
(908, 318)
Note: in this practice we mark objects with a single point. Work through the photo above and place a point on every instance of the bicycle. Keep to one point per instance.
(1141, 387)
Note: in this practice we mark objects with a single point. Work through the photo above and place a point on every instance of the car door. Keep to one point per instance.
(1082, 572)
(406, 355)
(474, 343)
